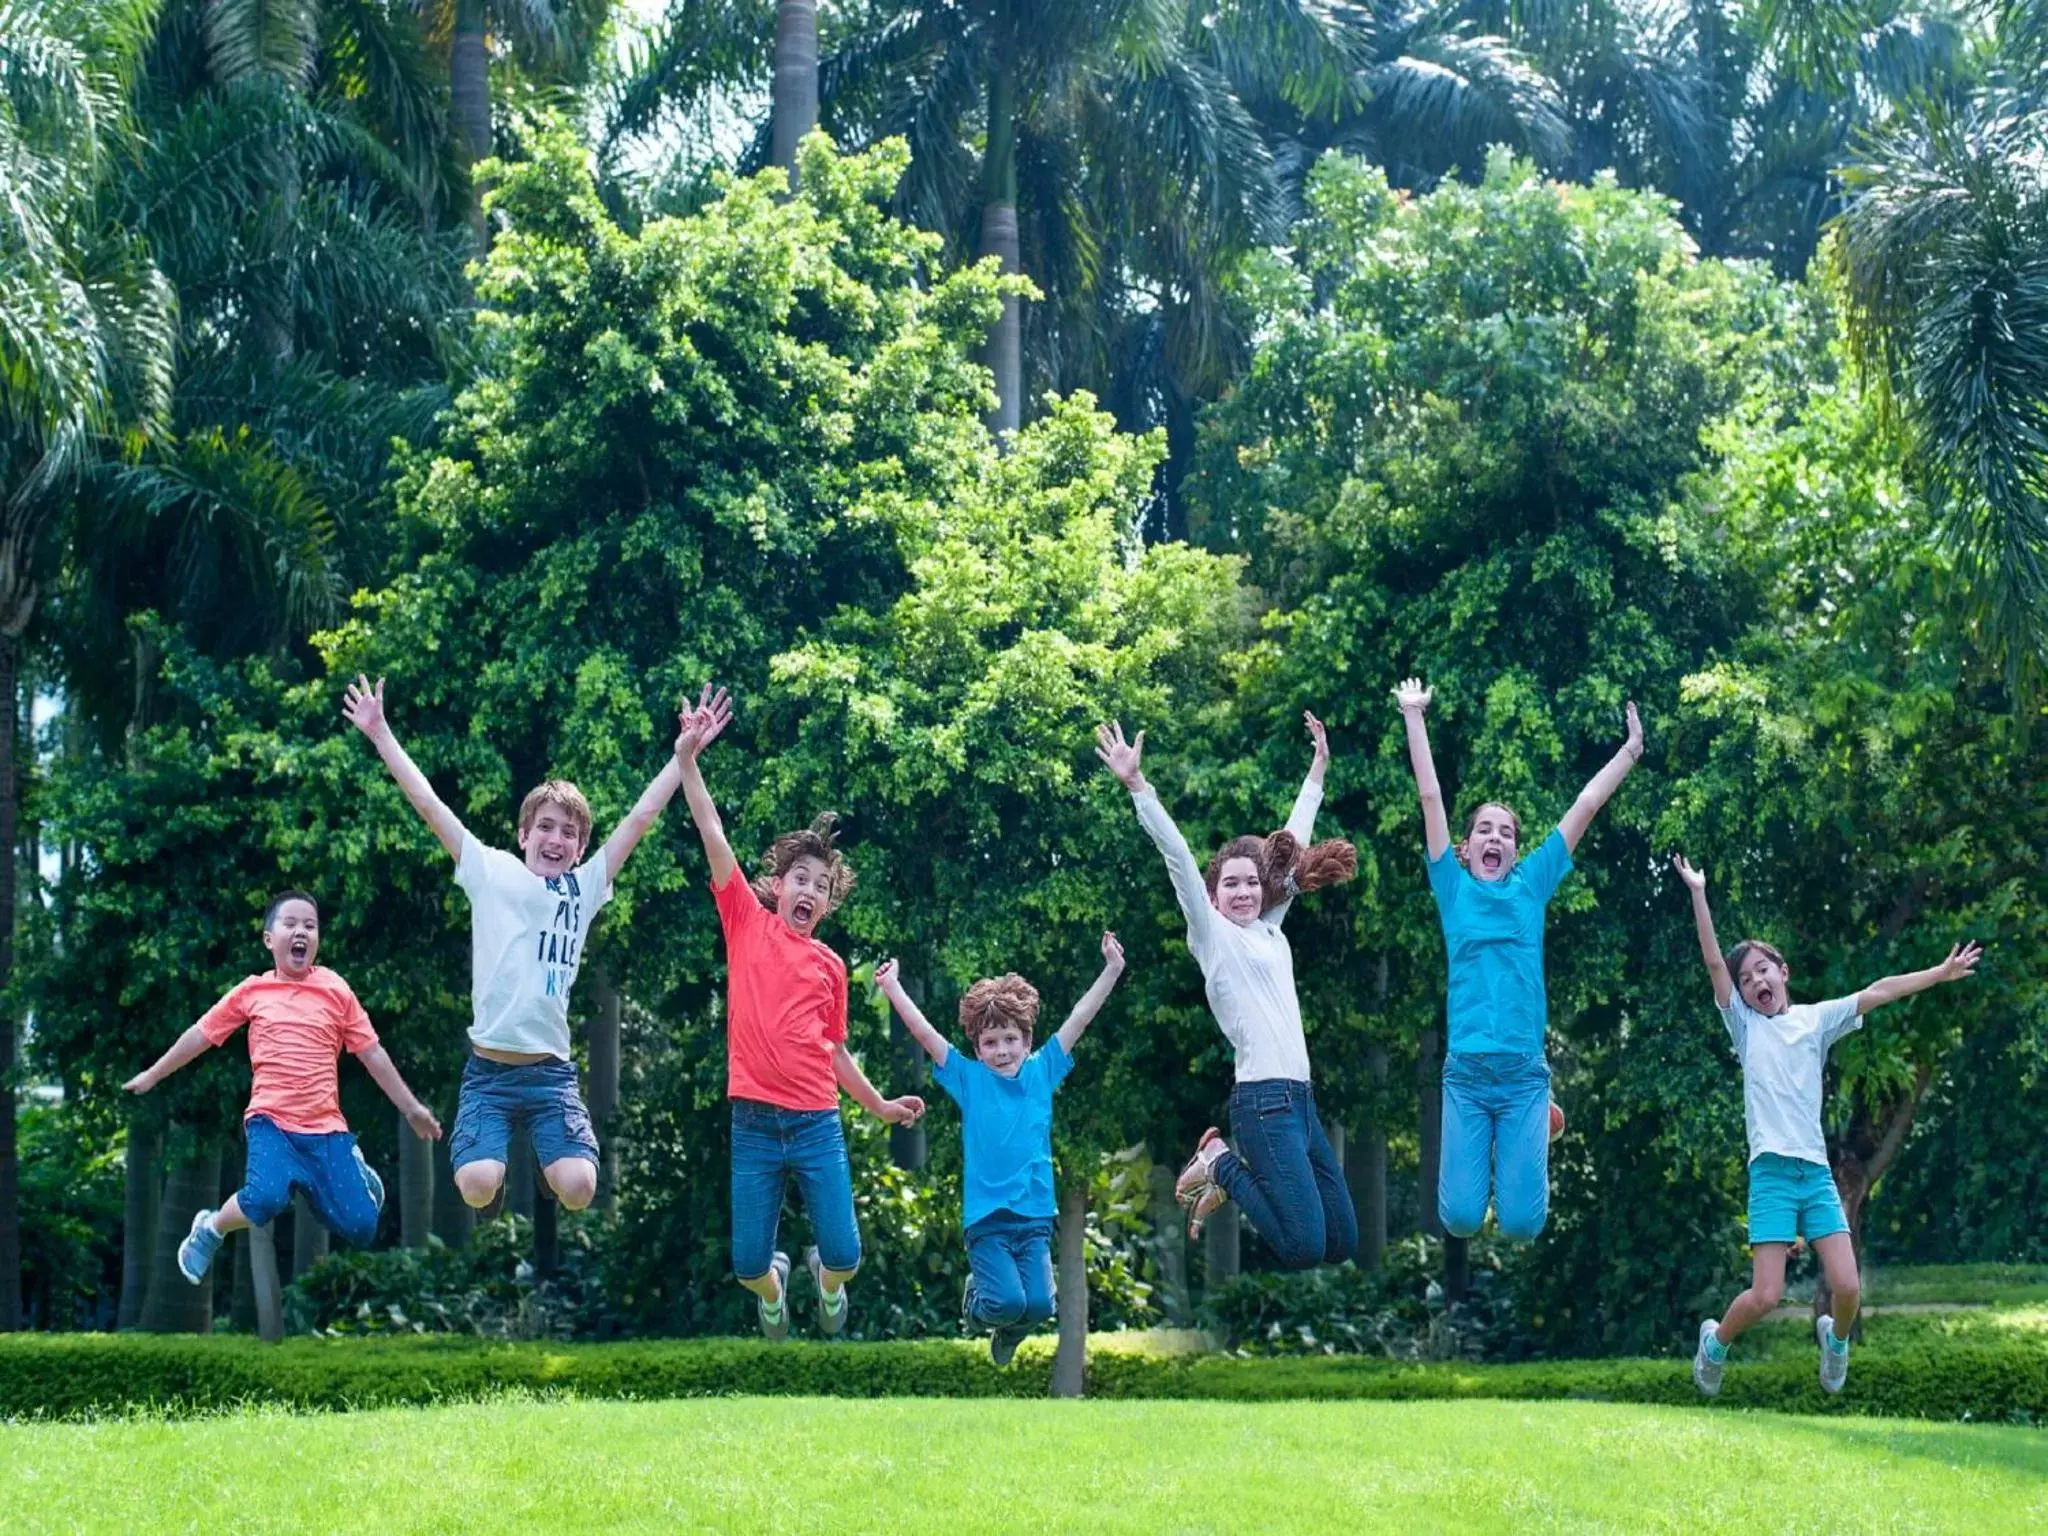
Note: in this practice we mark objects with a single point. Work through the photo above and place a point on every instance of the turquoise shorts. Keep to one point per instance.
(1790, 1197)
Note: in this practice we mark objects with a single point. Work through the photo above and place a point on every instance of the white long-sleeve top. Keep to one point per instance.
(1247, 972)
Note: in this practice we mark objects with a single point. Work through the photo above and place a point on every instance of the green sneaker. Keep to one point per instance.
(775, 1323)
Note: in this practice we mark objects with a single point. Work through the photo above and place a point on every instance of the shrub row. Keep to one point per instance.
(71, 1376)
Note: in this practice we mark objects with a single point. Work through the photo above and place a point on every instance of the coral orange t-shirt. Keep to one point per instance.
(785, 1006)
(297, 1032)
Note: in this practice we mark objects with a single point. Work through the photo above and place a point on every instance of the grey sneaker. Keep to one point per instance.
(1834, 1364)
(195, 1254)
(777, 1329)
(830, 1318)
(1002, 1344)
(370, 1178)
(1706, 1370)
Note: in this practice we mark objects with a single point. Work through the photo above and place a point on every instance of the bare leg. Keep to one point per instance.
(574, 1181)
(1766, 1290)
(1837, 1254)
(478, 1182)
(229, 1218)
(766, 1286)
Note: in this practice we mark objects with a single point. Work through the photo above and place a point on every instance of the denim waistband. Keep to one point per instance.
(1496, 1066)
(1273, 1090)
(549, 1066)
(753, 1112)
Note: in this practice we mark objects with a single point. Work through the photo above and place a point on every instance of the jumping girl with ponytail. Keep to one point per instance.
(1281, 1170)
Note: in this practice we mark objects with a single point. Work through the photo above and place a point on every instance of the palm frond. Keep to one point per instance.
(262, 39)
(1451, 95)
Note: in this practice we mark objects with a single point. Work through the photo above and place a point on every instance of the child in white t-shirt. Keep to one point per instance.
(529, 917)
(1783, 1047)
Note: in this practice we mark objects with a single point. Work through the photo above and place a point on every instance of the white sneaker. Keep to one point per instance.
(776, 1329)
(1706, 1370)
(1834, 1364)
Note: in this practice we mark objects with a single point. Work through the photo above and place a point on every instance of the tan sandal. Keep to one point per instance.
(1199, 1174)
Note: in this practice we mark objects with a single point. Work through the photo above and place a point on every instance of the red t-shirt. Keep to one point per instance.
(785, 1006)
(297, 1031)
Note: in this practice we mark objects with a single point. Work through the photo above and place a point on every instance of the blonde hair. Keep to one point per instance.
(817, 841)
(996, 1001)
(561, 794)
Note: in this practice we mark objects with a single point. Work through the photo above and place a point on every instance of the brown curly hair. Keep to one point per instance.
(995, 1001)
(817, 841)
(1286, 869)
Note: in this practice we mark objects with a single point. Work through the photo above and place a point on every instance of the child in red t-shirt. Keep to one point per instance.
(786, 1047)
(301, 1016)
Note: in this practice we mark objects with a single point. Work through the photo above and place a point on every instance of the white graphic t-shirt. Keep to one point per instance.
(526, 942)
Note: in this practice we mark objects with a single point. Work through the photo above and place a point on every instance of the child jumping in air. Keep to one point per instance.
(1005, 1096)
(786, 1056)
(1782, 1046)
(1281, 1169)
(1497, 1114)
(529, 918)
(301, 1017)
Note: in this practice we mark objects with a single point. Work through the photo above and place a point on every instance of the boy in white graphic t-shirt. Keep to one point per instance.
(1783, 1047)
(529, 917)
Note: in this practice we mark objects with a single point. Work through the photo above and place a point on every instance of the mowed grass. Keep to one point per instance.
(824, 1467)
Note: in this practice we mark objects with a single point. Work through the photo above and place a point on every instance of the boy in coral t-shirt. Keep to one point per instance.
(301, 1017)
(786, 1047)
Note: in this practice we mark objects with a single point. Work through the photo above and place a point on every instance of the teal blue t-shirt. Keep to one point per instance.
(1493, 936)
(1006, 1130)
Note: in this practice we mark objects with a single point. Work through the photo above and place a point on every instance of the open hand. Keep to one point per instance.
(1112, 954)
(1634, 743)
(697, 727)
(363, 705)
(1962, 961)
(907, 1110)
(423, 1123)
(1122, 756)
(1409, 694)
(1695, 879)
(1319, 736)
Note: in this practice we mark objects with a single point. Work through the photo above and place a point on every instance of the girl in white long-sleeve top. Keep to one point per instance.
(1281, 1169)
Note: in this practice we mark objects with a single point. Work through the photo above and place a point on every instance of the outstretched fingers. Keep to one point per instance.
(1696, 878)
(1962, 959)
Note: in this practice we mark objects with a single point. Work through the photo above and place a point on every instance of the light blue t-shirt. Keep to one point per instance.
(1006, 1130)
(1493, 935)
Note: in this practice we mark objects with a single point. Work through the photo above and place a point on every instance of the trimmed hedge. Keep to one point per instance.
(81, 1375)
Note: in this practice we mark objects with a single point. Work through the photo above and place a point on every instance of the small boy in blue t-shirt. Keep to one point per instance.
(1005, 1097)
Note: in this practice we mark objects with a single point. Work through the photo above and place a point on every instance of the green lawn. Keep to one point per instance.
(822, 1467)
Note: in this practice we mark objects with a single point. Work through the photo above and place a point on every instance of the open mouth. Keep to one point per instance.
(801, 911)
(297, 950)
(1764, 997)
(1490, 861)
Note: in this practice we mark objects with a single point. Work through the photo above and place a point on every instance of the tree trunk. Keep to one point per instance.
(10, 812)
(143, 1168)
(454, 1221)
(1365, 1168)
(1858, 1158)
(1004, 352)
(1220, 1250)
(908, 1146)
(469, 99)
(1170, 1247)
(519, 1179)
(415, 1186)
(606, 1033)
(268, 1294)
(241, 1299)
(309, 1237)
(1429, 1093)
(1070, 1362)
(547, 1232)
(173, 1304)
(1457, 1268)
(793, 99)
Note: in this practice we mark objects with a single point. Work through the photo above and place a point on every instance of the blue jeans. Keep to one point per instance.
(1496, 1136)
(322, 1164)
(1285, 1176)
(1011, 1257)
(770, 1146)
(540, 1097)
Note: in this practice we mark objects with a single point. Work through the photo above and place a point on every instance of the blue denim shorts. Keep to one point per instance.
(1790, 1197)
(540, 1097)
(322, 1164)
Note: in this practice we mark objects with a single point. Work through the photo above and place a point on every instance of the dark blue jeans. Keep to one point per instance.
(1011, 1257)
(770, 1146)
(1284, 1174)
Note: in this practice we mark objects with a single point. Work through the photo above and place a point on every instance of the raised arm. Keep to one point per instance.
(1301, 821)
(187, 1047)
(890, 985)
(903, 1111)
(1703, 922)
(384, 1072)
(1123, 759)
(1601, 787)
(1962, 961)
(364, 709)
(700, 728)
(1436, 826)
(1092, 1000)
(654, 799)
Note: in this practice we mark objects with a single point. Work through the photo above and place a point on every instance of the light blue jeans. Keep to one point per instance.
(1496, 1140)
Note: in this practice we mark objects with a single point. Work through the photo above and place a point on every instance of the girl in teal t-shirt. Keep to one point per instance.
(1497, 1114)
